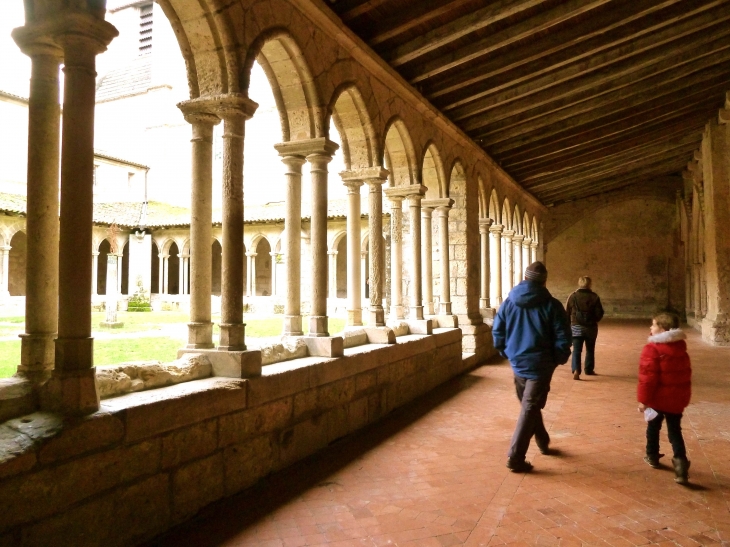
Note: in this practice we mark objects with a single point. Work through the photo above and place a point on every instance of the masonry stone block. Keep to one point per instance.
(16, 398)
(275, 386)
(247, 462)
(336, 423)
(301, 440)
(357, 414)
(305, 404)
(237, 427)
(189, 443)
(16, 453)
(195, 485)
(377, 405)
(82, 435)
(365, 381)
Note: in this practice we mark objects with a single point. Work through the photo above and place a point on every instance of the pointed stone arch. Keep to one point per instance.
(506, 214)
(517, 219)
(297, 99)
(353, 123)
(526, 225)
(432, 172)
(400, 155)
(483, 203)
(494, 212)
(456, 173)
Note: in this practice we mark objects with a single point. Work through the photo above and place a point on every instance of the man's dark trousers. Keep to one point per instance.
(533, 396)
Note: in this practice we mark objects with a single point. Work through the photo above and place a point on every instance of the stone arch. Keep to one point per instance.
(494, 207)
(17, 263)
(456, 173)
(173, 268)
(336, 239)
(292, 84)
(483, 204)
(432, 173)
(526, 225)
(125, 268)
(103, 249)
(353, 123)
(155, 268)
(263, 266)
(399, 154)
(535, 238)
(506, 214)
(517, 220)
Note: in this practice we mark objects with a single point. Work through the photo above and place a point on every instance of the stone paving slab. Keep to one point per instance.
(433, 473)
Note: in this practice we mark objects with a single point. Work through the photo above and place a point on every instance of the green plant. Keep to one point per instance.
(139, 301)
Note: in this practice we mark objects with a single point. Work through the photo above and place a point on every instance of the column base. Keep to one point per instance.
(445, 321)
(445, 308)
(397, 313)
(428, 308)
(230, 364)
(354, 318)
(420, 326)
(293, 325)
(72, 393)
(200, 335)
(318, 325)
(233, 337)
(416, 313)
(324, 346)
(74, 354)
(483, 303)
(37, 356)
(376, 316)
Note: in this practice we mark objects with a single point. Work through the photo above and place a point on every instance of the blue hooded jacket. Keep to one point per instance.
(532, 330)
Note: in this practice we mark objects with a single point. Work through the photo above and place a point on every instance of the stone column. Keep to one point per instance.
(332, 274)
(354, 270)
(72, 388)
(42, 231)
(365, 271)
(396, 253)
(185, 277)
(200, 328)
(526, 253)
(375, 182)
(495, 290)
(251, 279)
(95, 272)
(119, 274)
(533, 252)
(162, 285)
(4, 274)
(273, 273)
(484, 225)
(427, 257)
(442, 212)
(414, 205)
(509, 265)
(234, 110)
(517, 257)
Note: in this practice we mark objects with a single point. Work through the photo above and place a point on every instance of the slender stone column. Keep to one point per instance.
(495, 292)
(293, 159)
(72, 388)
(163, 278)
(332, 271)
(427, 258)
(365, 278)
(396, 255)
(41, 282)
(414, 204)
(200, 328)
(526, 253)
(533, 252)
(375, 182)
(517, 254)
(185, 280)
(251, 279)
(354, 271)
(484, 225)
(273, 273)
(119, 274)
(442, 213)
(95, 272)
(4, 271)
(234, 110)
(509, 265)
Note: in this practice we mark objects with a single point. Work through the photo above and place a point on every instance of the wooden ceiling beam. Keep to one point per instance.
(448, 33)
(352, 9)
(621, 103)
(601, 74)
(626, 23)
(575, 144)
(505, 37)
(421, 14)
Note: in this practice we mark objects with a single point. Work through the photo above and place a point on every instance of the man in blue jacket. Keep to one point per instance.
(532, 330)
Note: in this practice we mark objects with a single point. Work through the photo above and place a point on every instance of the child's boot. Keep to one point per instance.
(681, 470)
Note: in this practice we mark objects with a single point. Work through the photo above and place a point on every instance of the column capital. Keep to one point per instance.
(196, 111)
(437, 203)
(365, 174)
(517, 238)
(486, 222)
(332, 253)
(35, 39)
(508, 233)
(526, 242)
(496, 229)
(320, 146)
(93, 253)
(363, 254)
(412, 190)
(353, 186)
(533, 244)
(50, 36)
(252, 254)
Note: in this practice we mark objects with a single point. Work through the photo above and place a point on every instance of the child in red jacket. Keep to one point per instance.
(665, 385)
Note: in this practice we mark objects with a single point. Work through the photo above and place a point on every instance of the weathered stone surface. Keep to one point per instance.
(16, 398)
(247, 462)
(196, 485)
(400, 328)
(237, 427)
(82, 435)
(353, 337)
(16, 452)
(189, 443)
(290, 347)
(138, 376)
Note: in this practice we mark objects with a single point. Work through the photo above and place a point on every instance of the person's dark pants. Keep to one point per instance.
(533, 396)
(674, 431)
(578, 348)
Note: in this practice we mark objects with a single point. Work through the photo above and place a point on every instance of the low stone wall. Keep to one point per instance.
(149, 460)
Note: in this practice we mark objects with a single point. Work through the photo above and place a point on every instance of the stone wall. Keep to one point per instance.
(632, 251)
(147, 461)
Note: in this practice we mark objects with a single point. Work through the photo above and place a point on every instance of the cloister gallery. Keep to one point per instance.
(618, 169)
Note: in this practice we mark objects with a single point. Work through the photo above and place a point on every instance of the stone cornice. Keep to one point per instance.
(406, 191)
(304, 148)
(367, 173)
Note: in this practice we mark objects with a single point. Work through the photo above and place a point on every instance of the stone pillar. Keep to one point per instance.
(509, 265)
(375, 181)
(414, 205)
(273, 273)
(716, 181)
(72, 387)
(427, 257)
(332, 274)
(365, 271)
(484, 225)
(526, 254)
(200, 328)
(162, 285)
(354, 270)
(442, 212)
(119, 274)
(4, 271)
(396, 254)
(533, 252)
(495, 290)
(42, 231)
(95, 272)
(251, 279)
(185, 277)
(234, 110)
(517, 254)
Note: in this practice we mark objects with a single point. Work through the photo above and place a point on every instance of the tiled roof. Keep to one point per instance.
(131, 79)
(159, 215)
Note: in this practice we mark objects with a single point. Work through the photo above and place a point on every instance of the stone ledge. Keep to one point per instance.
(16, 398)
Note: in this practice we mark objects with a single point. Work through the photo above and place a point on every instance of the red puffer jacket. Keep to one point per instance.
(665, 373)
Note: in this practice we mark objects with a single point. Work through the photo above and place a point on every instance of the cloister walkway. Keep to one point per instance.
(433, 473)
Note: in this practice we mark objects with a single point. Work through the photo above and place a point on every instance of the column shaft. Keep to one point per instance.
(396, 257)
(414, 204)
(375, 203)
(495, 295)
(318, 318)
(162, 285)
(445, 304)
(4, 273)
(484, 225)
(95, 272)
(293, 246)
(427, 259)
(332, 271)
(250, 269)
(517, 254)
(354, 273)
(509, 266)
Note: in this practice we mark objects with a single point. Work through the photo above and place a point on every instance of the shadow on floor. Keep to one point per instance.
(236, 513)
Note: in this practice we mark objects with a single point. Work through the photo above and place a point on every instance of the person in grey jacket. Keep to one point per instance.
(585, 311)
(531, 330)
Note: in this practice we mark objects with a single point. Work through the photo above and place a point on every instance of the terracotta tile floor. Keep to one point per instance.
(433, 474)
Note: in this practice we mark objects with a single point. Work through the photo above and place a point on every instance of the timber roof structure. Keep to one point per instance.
(571, 97)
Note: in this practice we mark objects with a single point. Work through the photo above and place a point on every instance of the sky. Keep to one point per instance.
(14, 66)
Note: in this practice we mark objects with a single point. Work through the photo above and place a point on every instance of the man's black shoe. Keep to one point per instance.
(591, 373)
(519, 466)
